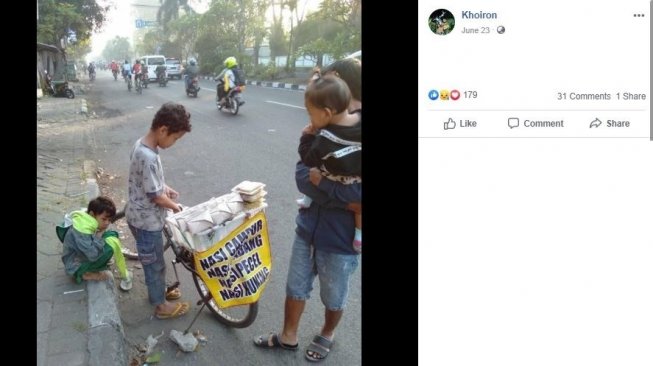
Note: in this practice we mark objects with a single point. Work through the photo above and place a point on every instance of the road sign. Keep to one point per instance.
(140, 23)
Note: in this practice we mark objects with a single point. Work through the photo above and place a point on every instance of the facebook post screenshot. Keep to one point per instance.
(535, 179)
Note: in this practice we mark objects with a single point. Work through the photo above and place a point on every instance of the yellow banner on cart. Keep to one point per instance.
(237, 268)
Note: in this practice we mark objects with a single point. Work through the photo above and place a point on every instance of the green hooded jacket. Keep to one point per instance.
(80, 243)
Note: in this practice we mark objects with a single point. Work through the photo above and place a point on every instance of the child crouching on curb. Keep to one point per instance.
(89, 246)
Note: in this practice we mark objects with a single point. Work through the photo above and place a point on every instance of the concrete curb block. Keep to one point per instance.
(268, 84)
(92, 188)
(271, 84)
(106, 342)
(84, 109)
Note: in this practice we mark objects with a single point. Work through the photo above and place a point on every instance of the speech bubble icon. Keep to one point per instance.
(513, 122)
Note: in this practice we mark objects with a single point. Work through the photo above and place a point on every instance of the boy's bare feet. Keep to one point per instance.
(95, 276)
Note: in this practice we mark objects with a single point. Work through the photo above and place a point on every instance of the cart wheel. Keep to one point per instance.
(70, 94)
(240, 316)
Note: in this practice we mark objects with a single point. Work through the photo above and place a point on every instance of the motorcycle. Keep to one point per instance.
(138, 83)
(115, 74)
(58, 88)
(194, 87)
(161, 78)
(128, 79)
(232, 101)
(144, 80)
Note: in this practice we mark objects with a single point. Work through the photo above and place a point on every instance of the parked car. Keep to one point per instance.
(174, 68)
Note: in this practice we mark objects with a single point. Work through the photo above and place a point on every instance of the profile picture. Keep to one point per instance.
(441, 22)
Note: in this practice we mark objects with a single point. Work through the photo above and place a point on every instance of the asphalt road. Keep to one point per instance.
(258, 144)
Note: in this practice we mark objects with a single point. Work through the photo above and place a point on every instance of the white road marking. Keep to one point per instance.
(286, 105)
(72, 292)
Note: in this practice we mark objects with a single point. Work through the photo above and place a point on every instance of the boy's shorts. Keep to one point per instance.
(333, 270)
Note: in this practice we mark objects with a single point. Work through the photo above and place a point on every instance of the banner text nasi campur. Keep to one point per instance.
(237, 268)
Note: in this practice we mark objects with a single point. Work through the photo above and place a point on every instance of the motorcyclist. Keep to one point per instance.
(126, 70)
(48, 81)
(160, 72)
(191, 71)
(137, 70)
(91, 70)
(227, 80)
(145, 78)
(114, 69)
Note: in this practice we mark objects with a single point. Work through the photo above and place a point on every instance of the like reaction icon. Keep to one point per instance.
(450, 124)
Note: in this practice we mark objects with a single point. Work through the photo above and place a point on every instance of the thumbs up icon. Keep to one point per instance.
(450, 124)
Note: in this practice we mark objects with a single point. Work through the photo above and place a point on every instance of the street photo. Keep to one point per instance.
(199, 182)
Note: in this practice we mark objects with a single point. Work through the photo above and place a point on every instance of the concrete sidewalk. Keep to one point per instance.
(76, 324)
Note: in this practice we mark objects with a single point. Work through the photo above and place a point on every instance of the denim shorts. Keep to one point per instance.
(333, 270)
(149, 245)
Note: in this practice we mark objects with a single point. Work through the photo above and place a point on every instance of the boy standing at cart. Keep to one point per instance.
(149, 197)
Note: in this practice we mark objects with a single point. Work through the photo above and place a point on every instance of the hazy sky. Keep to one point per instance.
(121, 21)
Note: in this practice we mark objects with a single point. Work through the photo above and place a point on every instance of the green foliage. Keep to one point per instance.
(314, 50)
(278, 41)
(149, 43)
(263, 72)
(229, 27)
(226, 29)
(169, 11)
(117, 49)
(433, 25)
(346, 12)
(209, 53)
(79, 49)
(61, 19)
(333, 30)
(182, 34)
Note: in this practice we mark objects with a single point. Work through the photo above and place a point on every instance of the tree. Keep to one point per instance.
(182, 36)
(218, 35)
(149, 43)
(278, 42)
(169, 10)
(315, 38)
(79, 49)
(117, 49)
(69, 20)
(335, 29)
(296, 20)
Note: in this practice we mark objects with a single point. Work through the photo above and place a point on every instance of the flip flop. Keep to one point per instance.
(173, 294)
(320, 348)
(263, 341)
(181, 308)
